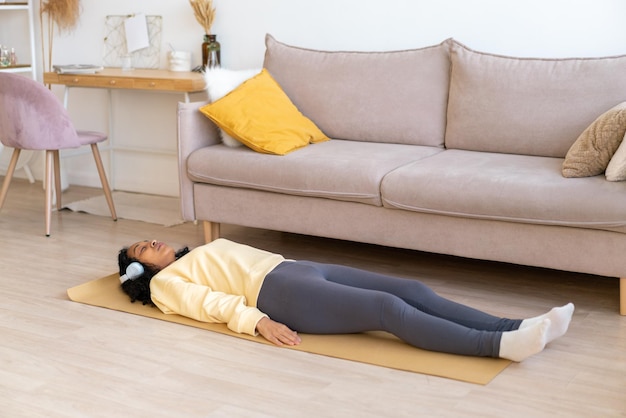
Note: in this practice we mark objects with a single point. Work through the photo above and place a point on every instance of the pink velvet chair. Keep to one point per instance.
(32, 118)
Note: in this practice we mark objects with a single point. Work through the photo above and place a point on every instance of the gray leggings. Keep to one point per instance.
(317, 298)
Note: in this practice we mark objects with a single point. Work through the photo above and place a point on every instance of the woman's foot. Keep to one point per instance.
(520, 344)
(559, 317)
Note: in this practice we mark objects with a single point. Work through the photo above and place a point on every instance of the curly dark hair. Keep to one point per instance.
(139, 288)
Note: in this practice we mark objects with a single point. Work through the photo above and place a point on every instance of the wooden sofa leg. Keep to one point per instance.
(622, 295)
(211, 231)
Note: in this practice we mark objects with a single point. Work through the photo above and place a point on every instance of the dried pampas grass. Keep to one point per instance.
(62, 13)
(204, 12)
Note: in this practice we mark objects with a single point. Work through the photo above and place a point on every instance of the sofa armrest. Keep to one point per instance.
(194, 131)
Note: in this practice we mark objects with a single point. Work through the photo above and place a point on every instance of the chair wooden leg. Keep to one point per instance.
(9, 175)
(48, 189)
(57, 178)
(103, 180)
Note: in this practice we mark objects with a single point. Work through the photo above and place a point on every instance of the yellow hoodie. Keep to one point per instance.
(218, 282)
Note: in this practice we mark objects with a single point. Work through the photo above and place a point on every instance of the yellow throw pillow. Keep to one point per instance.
(592, 151)
(260, 115)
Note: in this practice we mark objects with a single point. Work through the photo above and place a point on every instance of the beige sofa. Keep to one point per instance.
(441, 149)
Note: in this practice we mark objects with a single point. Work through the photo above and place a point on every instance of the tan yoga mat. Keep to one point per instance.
(378, 348)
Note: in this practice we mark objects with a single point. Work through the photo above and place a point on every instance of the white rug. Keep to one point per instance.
(139, 207)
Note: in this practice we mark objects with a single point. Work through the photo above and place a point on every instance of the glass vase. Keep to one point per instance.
(211, 54)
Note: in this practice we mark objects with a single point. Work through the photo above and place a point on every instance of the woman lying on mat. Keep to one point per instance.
(258, 292)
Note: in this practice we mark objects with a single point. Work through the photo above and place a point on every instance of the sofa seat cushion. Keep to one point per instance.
(507, 187)
(337, 169)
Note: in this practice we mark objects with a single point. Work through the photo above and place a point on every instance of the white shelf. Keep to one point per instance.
(14, 6)
(18, 69)
(23, 37)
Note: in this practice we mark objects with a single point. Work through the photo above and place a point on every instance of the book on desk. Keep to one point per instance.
(77, 69)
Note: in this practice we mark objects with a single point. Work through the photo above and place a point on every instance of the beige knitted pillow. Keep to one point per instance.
(616, 170)
(592, 151)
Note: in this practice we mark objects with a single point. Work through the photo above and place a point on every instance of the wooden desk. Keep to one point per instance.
(164, 81)
(138, 79)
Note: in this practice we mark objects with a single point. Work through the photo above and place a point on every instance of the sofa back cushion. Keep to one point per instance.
(396, 97)
(527, 105)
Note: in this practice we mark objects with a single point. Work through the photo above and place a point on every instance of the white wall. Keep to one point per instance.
(542, 28)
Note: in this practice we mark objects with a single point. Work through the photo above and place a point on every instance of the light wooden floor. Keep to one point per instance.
(63, 359)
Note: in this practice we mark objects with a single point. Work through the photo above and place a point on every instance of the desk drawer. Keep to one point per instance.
(154, 84)
(75, 80)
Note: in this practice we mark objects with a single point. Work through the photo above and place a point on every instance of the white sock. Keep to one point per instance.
(559, 317)
(523, 343)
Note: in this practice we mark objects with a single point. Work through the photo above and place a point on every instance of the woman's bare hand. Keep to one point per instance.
(277, 333)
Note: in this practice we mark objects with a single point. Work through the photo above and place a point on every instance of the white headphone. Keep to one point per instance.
(133, 271)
